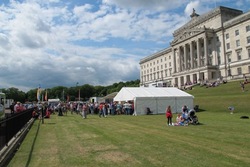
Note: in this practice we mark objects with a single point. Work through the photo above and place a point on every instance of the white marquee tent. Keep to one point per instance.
(155, 98)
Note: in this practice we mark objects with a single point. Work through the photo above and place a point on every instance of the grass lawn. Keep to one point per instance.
(221, 140)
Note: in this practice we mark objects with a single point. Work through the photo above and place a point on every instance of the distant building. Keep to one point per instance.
(94, 99)
(212, 46)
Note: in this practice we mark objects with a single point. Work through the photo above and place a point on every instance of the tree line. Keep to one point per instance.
(68, 93)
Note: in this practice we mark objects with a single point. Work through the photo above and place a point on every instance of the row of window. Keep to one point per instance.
(237, 43)
(237, 32)
(157, 61)
(239, 71)
(158, 75)
(239, 55)
(158, 68)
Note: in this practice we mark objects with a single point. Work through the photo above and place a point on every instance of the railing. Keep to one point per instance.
(12, 124)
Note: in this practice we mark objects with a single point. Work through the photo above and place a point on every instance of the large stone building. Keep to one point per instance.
(212, 46)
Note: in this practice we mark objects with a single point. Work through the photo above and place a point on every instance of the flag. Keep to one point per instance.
(46, 96)
(38, 94)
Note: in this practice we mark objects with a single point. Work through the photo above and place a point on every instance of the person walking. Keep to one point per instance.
(169, 115)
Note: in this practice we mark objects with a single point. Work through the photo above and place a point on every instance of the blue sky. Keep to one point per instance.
(97, 42)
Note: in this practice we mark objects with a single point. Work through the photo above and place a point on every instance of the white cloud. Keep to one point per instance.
(158, 5)
(57, 42)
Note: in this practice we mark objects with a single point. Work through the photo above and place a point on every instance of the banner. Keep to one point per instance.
(46, 96)
(38, 94)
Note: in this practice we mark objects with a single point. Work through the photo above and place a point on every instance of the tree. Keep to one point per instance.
(15, 94)
(62, 92)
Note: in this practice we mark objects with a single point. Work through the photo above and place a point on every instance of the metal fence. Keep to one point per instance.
(12, 124)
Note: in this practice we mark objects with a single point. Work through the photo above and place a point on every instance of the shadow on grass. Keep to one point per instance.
(34, 141)
(51, 123)
(201, 110)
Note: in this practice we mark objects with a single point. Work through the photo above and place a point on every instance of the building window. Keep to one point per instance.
(217, 39)
(248, 28)
(157, 67)
(150, 64)
(237, 43)
(229, 72)
(239, 55)
(209, 51)
(239, 71)
(229, 58)
(209, 42)
(248, 50)
(161, 60)
(248, 69)
(166, 65)
(169, 64)
(157, 61)
(227, 35)
(237, 32)
(170, 71)
(150, 69)
(169, 57)
(219, 60)
(228, 46)
(166, 73)
(248, 40)
(161, 66)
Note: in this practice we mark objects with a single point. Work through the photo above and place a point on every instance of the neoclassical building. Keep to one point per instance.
(212, 46)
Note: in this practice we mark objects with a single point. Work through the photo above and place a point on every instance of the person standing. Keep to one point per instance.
(169, 115)
(12, 111)
(242, 85)
(84, 111)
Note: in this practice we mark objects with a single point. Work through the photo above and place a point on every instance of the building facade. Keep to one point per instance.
(212, 46)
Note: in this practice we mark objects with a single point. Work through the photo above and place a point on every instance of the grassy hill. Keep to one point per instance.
(222, 139)
(218, 99)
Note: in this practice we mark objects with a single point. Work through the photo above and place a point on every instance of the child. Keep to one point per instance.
(178, 120)
(169, 115)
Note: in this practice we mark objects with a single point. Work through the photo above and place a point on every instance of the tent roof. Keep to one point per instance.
(130, 93)
(110, 96)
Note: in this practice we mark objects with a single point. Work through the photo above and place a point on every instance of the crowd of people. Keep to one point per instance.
(19, 107)
(85, 108)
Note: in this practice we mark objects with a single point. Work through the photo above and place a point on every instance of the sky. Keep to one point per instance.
(98, 42)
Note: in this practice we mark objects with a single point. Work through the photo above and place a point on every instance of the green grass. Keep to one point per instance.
(222, 139)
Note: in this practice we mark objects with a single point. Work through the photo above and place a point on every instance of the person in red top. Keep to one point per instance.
(18, 107)
(47, 114)
(100, 110)
(169, 115)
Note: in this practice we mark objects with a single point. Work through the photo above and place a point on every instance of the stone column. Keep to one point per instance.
(198, 52)
(179, 55)
(174, 58)
(179, 82)
(205, 50)
(191, 55)
(185, 56)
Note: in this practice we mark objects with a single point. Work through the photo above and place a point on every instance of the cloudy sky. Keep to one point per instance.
(97, 42)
